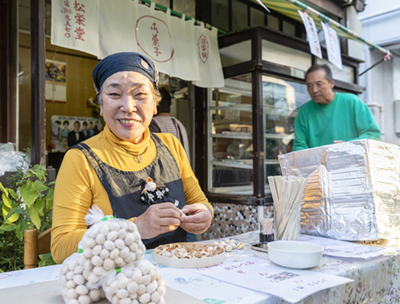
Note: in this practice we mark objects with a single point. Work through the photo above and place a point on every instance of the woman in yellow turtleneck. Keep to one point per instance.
(110, 170)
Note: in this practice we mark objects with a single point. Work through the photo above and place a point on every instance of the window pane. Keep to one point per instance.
(273, 22)
(288, 28)
(186, 7)
(345, 74)
(286, 56)
(239, 15)
(236, 53)
(281, 98)
(162, 2)
(230, 138)
(220, 14)
(257, 17)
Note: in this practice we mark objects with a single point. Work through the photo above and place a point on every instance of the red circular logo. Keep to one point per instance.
(203, 48)
(154, 38)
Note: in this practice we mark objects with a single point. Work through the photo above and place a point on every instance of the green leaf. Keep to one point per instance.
(34, 215)
(49, 204)
(5, 210)
(40, 187)
(21, 227)
(3, 189)
(11, 217)
(50, 194)
(46, 260)
(13, 194)
(8, 227)
(39, 205)
(29, 193)
(6, 200)
(39, 171)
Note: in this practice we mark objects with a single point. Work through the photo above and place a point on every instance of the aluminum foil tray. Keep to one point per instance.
(353, 189)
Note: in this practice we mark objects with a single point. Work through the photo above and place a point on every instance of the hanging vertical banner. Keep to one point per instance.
(74, 25)
(312, 34)
(154, 38)
(183, 64)
(208, 58)
(117, 22)
(103, 27)
(332, 45)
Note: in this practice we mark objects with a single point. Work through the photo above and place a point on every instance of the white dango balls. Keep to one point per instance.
(70, 275)
(104, 230)
(109, 245)
(114, 226)
(120, 244)
(87, 252)
(97, 261)
(108, 264)
(125, 301)
(72, 294)
(112, 235)
(119, 262)
(70, 284)
(85, 299)
(104, 254)
(79, 279)
(114, 254)
(72, 264)
(97, 249)
(129, 239)
(100, 239)
(94, 295)
(145, 298)
(82, 289)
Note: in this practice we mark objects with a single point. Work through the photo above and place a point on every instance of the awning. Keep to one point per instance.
(290, 8)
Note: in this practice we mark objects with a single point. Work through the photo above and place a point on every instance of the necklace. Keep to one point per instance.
(136, 155)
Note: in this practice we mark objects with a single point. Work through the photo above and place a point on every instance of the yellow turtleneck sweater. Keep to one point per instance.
(78, 187)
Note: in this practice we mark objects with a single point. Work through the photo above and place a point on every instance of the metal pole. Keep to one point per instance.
(38, 101)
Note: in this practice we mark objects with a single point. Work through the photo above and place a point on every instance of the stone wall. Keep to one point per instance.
(233, 219)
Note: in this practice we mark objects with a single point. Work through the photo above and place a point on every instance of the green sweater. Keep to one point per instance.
(345, 118)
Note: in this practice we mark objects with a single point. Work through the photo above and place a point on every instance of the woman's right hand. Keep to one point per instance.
(158, 219)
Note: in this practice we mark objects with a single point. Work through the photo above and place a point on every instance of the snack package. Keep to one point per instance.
(74, 284)
(109, 243)
(138, 282)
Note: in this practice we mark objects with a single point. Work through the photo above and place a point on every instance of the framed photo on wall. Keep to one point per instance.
(69, 130)
(56, 81)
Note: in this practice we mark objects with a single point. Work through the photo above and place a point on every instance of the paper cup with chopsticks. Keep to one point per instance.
(287, 192)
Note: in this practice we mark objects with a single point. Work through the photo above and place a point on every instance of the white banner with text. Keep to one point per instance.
(178, 48)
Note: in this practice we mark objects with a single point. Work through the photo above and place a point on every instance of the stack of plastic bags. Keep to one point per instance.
(108, 264)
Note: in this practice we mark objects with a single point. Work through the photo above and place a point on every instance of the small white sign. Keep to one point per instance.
(312, 34)
(254, 273)
(332, 45)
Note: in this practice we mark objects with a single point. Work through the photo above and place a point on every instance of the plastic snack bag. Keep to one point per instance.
(138, 282)
(74, 284)
(109, 243)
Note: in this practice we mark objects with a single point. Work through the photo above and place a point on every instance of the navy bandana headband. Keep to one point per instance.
(123, 62)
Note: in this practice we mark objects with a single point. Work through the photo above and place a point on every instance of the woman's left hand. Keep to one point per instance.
(197, 218)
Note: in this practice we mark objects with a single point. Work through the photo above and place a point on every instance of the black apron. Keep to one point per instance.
(124, 188)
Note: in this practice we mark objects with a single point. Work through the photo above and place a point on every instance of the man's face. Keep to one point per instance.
(76, 127)
(319, 88)
(84, 127)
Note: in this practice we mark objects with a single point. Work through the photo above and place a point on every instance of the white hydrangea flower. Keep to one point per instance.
(150, 186)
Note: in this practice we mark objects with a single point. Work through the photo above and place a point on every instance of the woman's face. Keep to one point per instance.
(128, 105)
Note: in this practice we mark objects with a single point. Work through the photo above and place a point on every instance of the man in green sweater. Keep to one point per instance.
(331, 117)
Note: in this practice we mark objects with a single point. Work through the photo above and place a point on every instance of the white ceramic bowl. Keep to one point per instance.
(294, 254)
